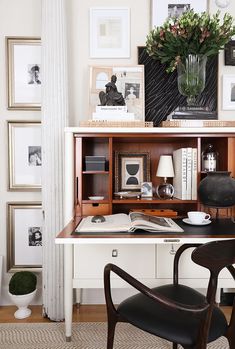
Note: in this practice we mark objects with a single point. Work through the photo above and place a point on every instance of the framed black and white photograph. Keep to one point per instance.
(131, 170)
(24, 73)
(109, 32)
(229, 53)
(24, 236)
(25, 155)
(228, 92)
(162, 9)
(129, 82)
(146, 189)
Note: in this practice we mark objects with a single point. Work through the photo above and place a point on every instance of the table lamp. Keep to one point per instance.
(165, 169)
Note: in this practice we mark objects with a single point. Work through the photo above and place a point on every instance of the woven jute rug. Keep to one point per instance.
(90, 335)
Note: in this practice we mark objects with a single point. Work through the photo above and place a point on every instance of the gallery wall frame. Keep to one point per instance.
(128, 78)
(25, 155)
(229, 53)
(24, 73)
(228, 102)
(162, 9)
(131, 170)
(109, 32)
(24, 236)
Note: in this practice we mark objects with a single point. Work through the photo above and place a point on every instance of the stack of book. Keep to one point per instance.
(185, 179)
(185, 113)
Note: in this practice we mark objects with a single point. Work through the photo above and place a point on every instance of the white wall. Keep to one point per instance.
(17, 18)
(23, 18)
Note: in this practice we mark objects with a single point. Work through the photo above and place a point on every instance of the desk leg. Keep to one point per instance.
(68, 290)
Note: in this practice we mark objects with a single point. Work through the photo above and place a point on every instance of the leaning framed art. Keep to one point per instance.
(24, 236)
(24, 73)
(129, 82)
(162, 9)
(25, 155)
(131, 170)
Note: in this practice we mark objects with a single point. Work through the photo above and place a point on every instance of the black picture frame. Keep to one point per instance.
(229, 53)
(122, 177)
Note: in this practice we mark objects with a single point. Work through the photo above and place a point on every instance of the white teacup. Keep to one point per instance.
(197, 217)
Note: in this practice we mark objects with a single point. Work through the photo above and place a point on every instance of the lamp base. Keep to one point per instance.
(165, 191)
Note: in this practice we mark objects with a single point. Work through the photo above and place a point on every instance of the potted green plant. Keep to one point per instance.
(22, 289)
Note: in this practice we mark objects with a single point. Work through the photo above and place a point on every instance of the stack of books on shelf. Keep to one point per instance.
(185, 179)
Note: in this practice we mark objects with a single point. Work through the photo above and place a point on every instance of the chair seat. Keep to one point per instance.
(148, 315)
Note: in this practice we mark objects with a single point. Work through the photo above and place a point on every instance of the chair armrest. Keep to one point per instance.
(178, 254)
(194, 309)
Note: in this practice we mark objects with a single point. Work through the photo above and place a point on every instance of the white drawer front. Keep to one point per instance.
(89, 261)
(187, 268)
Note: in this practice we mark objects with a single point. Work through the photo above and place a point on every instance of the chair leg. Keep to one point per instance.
(111, 332)
(231, 341)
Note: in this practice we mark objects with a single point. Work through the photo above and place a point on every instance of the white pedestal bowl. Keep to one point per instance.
(22, 302)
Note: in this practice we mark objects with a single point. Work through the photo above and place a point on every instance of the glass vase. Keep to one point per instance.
(191, 77)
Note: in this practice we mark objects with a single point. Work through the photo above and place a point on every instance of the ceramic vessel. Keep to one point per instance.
(217, 189)
(22, 302)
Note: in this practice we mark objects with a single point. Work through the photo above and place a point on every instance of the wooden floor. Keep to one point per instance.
(85, 313)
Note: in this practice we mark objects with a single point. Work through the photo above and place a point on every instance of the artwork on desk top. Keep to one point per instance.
(117, 93)
(131, 170)
(146, 189)
(162, 96)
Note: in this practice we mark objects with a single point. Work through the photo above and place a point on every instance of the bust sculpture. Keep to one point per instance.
(111, 96)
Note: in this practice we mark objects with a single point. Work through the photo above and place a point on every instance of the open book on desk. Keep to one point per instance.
(122, 222)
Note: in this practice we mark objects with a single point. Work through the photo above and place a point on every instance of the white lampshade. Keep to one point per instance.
(165, 166)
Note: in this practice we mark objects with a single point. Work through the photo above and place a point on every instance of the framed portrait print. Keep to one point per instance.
(109, 32)
(24, 236)
(162, 9)
(25, 155)
(24, 73)
(130, 83)
(146, 189)
(131, 170)
(229, 53)
(228, 92)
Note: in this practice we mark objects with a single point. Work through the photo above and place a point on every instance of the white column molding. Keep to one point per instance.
(54, 119)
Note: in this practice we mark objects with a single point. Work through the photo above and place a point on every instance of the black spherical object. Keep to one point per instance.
(217, 189)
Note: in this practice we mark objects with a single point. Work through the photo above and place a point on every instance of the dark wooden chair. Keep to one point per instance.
(177, 312)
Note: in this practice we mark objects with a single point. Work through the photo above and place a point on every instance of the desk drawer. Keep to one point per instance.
(89, 261)
(95, 209)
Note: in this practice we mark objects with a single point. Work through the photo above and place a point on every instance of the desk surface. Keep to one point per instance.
(219, 228)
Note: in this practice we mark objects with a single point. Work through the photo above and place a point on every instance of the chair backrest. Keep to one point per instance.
(215, 255)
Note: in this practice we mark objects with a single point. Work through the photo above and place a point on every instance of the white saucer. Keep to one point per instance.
(96, 197)
(187, 220)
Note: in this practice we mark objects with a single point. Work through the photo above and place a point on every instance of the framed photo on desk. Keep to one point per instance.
(131, 170)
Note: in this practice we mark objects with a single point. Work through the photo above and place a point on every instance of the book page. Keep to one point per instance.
(119, 222)
(138, 216)
(152, 223)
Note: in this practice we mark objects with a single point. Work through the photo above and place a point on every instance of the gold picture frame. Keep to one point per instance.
(23, 73)
(25, 158)
(24, 236)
